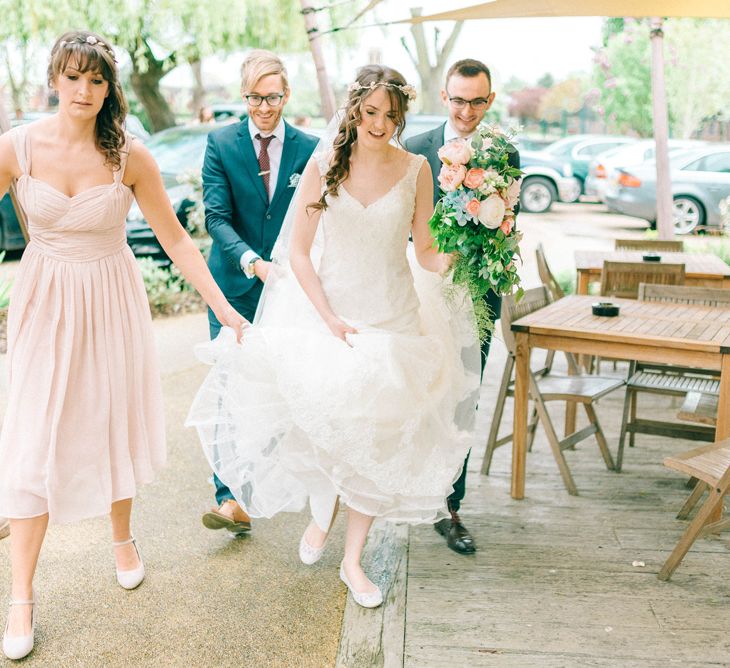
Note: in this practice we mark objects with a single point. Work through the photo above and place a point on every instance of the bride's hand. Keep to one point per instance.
(233, 319)
(340, 328)
(447, 261)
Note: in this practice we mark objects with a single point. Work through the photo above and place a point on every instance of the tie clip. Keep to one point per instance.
(268, 171)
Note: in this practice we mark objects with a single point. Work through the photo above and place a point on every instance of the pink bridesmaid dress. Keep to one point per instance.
(84, 421)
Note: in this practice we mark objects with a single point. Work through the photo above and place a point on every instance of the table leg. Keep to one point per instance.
(582, 283)
(521, 398)
(723, 419)
(583, 360)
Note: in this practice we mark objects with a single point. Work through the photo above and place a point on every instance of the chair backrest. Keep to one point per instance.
(622, 279)
(532, 300)
(546, 276)
(650, 245)
(684, 294)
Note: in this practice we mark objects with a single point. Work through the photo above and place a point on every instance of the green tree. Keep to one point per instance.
(697, 86)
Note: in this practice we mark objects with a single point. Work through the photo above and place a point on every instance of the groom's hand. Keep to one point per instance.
(261, 269)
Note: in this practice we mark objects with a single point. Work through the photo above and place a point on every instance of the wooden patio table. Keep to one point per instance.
(704, 269)
(681, 334)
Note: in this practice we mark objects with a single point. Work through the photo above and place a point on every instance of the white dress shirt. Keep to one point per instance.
(450, 133)
(276, 147)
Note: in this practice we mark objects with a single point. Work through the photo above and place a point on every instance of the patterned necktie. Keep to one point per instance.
(264, 163)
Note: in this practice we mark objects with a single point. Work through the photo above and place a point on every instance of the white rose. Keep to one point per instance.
(513, 192)
(491, 212)
(486, 143)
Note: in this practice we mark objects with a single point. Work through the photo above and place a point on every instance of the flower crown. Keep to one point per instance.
(407, 90)
(91, 41)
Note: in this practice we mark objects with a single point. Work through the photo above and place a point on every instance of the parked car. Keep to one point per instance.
(579, 150)
(700, 181)
(546, 180)
(603, 168)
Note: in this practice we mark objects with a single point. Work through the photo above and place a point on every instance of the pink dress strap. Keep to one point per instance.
(123, 155)
(21, 144)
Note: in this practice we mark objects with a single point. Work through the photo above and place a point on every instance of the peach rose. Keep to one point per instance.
(507, 225)
(456, 152)
(474, 178)
(451, 177)
(472, 206)
(513, 192)
(491, 212)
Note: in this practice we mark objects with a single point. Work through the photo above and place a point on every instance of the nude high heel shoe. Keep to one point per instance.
(130, 579)
(18, 647)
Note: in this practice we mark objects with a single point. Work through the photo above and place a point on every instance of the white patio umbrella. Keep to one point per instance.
(614, 8)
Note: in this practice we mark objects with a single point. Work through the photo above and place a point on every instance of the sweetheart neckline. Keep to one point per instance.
(72, 197)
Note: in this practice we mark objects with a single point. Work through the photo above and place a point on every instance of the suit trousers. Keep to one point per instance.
(457, 496)
(246, 305)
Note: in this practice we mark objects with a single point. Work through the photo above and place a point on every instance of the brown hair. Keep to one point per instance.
(469, 68)
(88, 52)
(368, 78)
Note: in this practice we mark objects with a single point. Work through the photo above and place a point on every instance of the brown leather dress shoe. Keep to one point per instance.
(457, 535)
(228, 516)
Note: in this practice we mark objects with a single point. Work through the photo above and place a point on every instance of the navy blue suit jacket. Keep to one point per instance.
(238, 214)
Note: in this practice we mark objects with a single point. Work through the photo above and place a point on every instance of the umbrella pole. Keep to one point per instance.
(664, 205)
(22, 221)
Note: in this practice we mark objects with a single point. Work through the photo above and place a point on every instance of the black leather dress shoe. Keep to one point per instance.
(457, 535)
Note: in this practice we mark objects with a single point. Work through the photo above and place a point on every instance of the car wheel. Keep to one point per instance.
(537, 194)
(688, 214)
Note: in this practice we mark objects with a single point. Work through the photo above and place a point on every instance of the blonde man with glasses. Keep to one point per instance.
(249, 173)
(467, 95)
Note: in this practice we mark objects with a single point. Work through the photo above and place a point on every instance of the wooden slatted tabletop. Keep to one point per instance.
(682, 334)
(700, 268)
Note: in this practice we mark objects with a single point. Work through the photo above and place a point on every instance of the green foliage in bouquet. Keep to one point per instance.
(475, 219)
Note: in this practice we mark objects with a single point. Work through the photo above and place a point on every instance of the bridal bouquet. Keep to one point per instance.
(475, 219)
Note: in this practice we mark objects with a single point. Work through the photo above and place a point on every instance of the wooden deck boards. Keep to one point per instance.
(553, 582)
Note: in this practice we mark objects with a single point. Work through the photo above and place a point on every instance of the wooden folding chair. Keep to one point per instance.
(622, 279)
(654, 245)
(546, 388)
(668, 379)
(710, 465)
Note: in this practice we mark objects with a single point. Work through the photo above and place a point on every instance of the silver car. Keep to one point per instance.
(700, 181)
(604, 167)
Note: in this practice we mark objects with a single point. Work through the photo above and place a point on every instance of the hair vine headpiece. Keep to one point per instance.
(91, 41)
(408, 90)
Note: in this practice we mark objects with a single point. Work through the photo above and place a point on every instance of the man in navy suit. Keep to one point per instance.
(467, 95)
(249, 175)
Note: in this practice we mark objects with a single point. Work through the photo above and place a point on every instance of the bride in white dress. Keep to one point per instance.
(359, 377)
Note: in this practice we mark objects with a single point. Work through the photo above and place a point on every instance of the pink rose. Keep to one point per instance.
(513, 192)
(456, 152)
(451, 177)
(491, 211)
(474, 178)
(507, 225)
(473, 206)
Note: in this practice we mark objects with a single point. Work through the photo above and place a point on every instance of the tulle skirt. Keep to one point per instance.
(384, 420)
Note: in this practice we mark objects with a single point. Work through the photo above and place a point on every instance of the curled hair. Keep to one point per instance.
(88, 52)
(368, 78)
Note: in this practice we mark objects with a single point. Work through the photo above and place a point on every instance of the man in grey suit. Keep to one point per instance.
(467, 95)
(249, 175)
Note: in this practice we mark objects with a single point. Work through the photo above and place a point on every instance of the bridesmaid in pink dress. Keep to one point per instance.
(84, 421)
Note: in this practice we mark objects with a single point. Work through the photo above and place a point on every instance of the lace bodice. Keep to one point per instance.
(364, 269)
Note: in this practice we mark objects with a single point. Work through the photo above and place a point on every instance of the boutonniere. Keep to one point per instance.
(294, 180)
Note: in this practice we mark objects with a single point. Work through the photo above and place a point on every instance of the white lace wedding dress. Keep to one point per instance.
(384, 423)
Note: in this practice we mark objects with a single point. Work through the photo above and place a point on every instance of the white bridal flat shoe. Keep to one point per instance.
(130, 579)
(310, 555)
(367, 599)
(18, 647)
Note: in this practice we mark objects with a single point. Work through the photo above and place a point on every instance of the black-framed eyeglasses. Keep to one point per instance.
(273, 100)
(477, 103)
